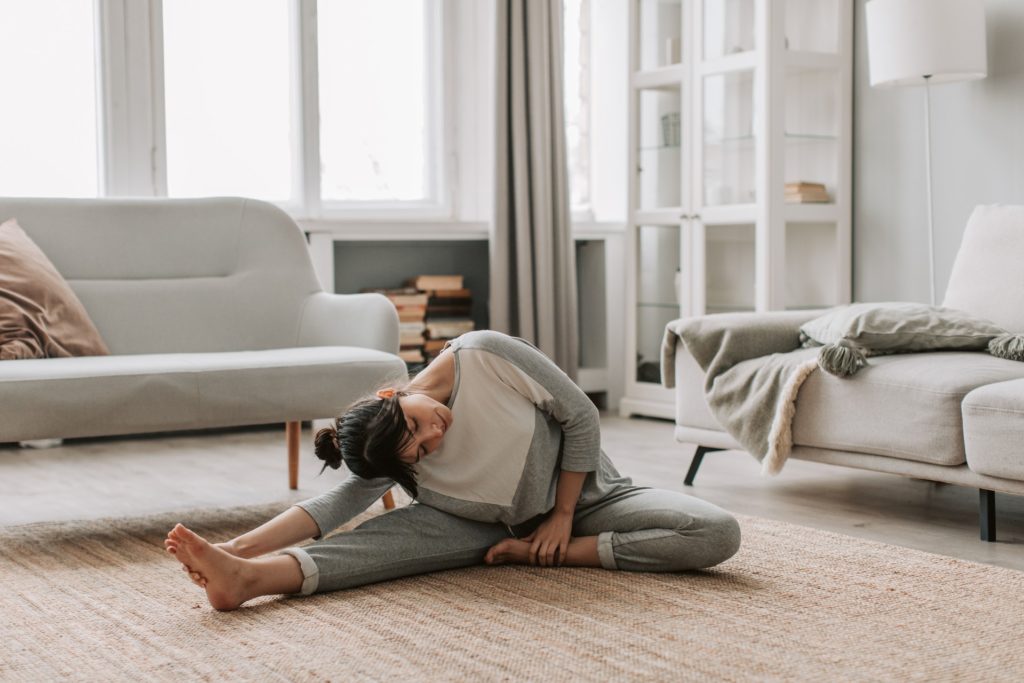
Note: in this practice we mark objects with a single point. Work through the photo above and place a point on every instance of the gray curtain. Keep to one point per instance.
(533, 258)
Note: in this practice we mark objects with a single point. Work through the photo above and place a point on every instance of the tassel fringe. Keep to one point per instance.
(1008, 346)
(842, 359)
(780, 437)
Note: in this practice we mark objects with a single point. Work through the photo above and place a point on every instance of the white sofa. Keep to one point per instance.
(213, 315)
(949, 417)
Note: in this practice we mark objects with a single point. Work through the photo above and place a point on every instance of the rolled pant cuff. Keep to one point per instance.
(604, 550)
(310, 572)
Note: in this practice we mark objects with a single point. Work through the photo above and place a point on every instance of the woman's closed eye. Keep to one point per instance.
(421, 450)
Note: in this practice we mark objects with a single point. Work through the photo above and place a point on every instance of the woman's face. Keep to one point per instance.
(428, 421)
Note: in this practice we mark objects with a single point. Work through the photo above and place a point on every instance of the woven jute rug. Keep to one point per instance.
(102, 601)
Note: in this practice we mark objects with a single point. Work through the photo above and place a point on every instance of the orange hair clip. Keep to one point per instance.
(385, 393)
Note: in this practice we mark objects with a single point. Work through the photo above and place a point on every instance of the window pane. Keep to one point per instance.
(227, 86)
(48, 138)
(374, 116)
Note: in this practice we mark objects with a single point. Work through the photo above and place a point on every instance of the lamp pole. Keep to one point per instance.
(928, 175)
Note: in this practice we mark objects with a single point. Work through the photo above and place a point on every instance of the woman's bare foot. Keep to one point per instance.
(224, 576)
(509, 551)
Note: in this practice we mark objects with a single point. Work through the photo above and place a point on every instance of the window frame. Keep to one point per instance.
(133, 158)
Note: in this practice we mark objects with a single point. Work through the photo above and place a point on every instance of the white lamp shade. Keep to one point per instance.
(911, 39)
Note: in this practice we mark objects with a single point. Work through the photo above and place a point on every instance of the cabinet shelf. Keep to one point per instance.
(812, 213)
(740, 61)
(789, 137)
(645, 304)
(663, 78)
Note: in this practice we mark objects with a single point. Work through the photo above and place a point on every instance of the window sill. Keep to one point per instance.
(420, 230)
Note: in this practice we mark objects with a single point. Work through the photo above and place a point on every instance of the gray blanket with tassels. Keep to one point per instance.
(754, 367)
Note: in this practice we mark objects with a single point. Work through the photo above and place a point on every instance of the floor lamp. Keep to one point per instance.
(926, 42)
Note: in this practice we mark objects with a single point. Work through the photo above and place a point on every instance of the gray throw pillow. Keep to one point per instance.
(852, 333)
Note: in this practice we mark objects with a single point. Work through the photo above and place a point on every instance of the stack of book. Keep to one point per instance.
(448, 310)
(411, 305)
(804, 192)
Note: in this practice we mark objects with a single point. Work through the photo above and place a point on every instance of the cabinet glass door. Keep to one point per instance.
(658, 291)
(660, 153)
(661, 28)
(729, 268)
(811, 134)
(728, 27)
(729, 141)
(812, 26)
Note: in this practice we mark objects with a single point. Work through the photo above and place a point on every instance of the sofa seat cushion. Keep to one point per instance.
(994, 429)
(129, 394)
(904, 406)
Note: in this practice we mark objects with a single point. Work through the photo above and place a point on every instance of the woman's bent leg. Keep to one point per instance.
(659, 531)
(412, 540)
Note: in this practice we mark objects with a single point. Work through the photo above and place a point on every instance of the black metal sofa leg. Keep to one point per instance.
(698, 457)
(987, 514)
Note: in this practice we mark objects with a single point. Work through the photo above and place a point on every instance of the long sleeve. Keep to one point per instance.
(346, 500)
(523, 367)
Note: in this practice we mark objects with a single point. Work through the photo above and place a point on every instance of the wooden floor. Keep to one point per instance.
(110, 478)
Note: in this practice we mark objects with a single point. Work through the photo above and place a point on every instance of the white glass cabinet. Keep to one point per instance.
(740, 133)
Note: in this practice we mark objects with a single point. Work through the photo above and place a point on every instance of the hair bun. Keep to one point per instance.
(325, 445)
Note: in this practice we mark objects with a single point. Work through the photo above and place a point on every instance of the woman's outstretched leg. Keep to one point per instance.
(228, 580)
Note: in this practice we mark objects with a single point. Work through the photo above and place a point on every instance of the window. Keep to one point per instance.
(48, 121)
(376, 122)
(577, 100)
(324, 106)
(227, 94)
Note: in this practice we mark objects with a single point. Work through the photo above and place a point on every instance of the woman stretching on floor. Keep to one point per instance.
(501, 453)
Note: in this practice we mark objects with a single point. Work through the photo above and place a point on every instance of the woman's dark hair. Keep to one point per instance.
(368, 437)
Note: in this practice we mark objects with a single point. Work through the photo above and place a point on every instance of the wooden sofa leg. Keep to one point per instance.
(987, 514)
(698, 457)
(292, 432)
(389, 501)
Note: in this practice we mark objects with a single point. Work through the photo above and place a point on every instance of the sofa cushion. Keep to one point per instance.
(851, 333)
(987, 278)
(994, 429)
(158, 276)
(900, 327)
(904, 406)
(105, 395)
(40, 316)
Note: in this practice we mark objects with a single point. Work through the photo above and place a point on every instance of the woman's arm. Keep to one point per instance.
(288, 528)
(311, 518)
(524, 368)
(568, 492)
(549, 542)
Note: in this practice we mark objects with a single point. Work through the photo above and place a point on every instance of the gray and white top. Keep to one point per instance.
(518, 420)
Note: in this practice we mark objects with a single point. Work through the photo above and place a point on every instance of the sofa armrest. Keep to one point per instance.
(365, 320)
(691, 407)
(750, 335)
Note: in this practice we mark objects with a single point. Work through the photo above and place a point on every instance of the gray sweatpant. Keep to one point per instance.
(638, 529)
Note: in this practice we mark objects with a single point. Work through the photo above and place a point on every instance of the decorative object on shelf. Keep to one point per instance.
(805, 192)
(921, 42)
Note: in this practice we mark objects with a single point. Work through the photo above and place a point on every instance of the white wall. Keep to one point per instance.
(977, 158)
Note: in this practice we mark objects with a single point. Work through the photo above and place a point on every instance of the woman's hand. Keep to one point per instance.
(549, 542)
